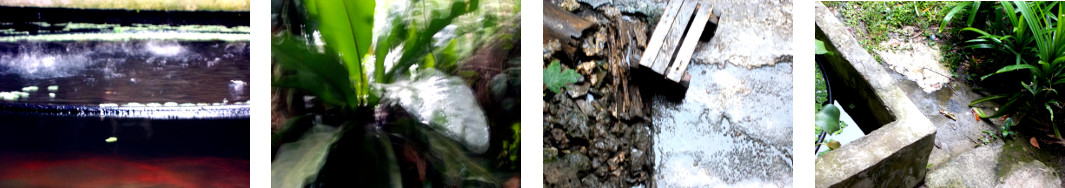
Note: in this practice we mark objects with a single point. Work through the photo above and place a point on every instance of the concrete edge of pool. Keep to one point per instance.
(242, 111)
(896, 153)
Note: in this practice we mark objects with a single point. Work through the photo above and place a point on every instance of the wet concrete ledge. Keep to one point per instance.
(895, 153)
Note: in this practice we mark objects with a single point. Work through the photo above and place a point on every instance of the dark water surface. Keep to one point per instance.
(47, 87)
(125, 73)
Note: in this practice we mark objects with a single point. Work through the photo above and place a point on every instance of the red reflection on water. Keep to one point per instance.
(117, 171)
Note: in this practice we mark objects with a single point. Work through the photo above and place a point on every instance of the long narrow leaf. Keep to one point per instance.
(972, 13)
(318, 73)
(985, 99)
(1010, 68)
(951, 12)
(346, 26)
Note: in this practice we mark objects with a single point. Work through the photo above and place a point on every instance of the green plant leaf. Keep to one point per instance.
(819, 47)
(833, 145)
(953, 11)
(1010, 68)
(347, 26)
(985, 99)
(319, 73)
(828, 118)
(555, 77)
(972, 13)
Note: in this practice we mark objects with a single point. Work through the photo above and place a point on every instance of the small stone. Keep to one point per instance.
(586, 68)
(593, 46)
(559, 136)
(570, 5)
(577, 90)
(578, 161)
(550, 48)
(610, 12)
(550, 153)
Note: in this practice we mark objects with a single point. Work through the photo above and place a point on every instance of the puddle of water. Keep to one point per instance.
(850, 133)
(733, 128)
(146, 72)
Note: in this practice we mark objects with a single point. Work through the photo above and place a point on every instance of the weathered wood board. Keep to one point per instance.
(673, 42)
(684, 56)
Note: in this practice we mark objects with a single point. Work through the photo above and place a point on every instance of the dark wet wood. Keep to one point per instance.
(563, 26)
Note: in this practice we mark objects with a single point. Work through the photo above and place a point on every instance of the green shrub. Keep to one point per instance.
(1035, 40)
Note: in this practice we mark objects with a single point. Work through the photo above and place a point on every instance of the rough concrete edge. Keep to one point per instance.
(161, 5)
(907, 114)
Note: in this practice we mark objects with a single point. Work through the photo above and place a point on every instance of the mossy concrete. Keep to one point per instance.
(1010, 162)
(895, 151)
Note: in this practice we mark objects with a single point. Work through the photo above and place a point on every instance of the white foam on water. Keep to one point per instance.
(164, 48)
(36, 65)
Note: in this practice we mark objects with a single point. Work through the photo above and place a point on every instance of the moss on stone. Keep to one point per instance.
(1018, 150)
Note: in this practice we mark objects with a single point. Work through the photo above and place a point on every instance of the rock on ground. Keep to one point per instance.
(917, 60)
(971, 169)
(1032, 175)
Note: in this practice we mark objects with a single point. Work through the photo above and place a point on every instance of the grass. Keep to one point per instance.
(875, 22)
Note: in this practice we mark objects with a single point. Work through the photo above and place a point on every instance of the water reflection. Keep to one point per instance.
(141, 71)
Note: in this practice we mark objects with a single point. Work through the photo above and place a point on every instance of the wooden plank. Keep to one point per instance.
(653, 46)
(674, 37)
(684, 56)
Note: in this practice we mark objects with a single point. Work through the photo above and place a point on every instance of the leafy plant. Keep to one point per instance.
(971, 6)
(347, 27)
(819, 48)
(555, 77)
(828, 118)
(827, 122)
(512, 147)
(1037, 42)
(416, 38)
(344, 69)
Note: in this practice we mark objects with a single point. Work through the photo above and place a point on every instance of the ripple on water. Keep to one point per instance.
(135, 71)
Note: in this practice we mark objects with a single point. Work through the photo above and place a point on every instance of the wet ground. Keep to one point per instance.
(730, 127)
(749, 34)
(733, 128)
(127, 73)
